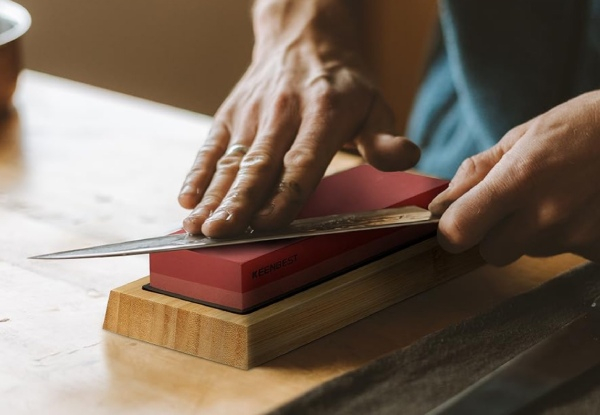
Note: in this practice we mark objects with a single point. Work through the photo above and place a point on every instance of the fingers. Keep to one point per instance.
(289, 149)
(469, 218)
(543, 229)
(304, 164)
(226, 170)
(532, 193)
(327, 123)
(487, 188)
(214, 171)
(518, 235)
(200, 175)
(474, 169)
(256, 175)
(380, 146)
(484, 191)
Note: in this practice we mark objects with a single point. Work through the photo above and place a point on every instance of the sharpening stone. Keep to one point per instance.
(245, 277)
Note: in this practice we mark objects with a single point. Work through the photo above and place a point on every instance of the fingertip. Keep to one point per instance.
(409, 153)
(389, 152)
(455, 234)
(193, 225)
(225, 223)
(438, 206)
(448, 245)
(215, 225)
(194, 222)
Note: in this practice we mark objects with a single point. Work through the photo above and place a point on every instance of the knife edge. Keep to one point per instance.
(324, 225)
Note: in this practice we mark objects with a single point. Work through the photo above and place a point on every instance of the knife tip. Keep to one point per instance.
(45, 256)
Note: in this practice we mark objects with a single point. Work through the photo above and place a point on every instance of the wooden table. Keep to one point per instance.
(82, 166)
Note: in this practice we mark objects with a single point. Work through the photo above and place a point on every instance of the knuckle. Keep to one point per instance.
(208, 152)
(548, 214)
(240, 198)
(524, 174)
(243, 193)
(232, 200)
(211, 199)
(468, 166)
(229, 164)
(327, 98)
(257, 162)
(321, 81)
(514, 134)
(199, 169)
(540, 124)
(322, 95)
(210, 202)
(303, 159)
(477, 165)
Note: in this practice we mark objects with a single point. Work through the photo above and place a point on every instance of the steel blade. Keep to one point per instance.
(350, 222)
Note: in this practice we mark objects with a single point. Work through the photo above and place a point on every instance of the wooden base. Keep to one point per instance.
(245, 341)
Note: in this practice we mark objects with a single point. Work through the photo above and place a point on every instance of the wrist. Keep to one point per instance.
(325, 27)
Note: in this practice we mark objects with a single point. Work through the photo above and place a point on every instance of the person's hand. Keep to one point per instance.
(304, 96)
(535, 193)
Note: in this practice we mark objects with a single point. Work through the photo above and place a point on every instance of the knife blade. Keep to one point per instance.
(323, 225)
(539, 370)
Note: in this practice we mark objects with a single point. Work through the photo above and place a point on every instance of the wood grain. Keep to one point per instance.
(245, 341)
(81, 166)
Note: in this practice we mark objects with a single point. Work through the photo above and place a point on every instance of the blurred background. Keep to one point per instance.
(190, 53)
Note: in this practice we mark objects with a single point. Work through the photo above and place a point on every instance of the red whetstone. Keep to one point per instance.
(242, 278)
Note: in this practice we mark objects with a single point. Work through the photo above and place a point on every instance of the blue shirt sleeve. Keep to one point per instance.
(497, 64)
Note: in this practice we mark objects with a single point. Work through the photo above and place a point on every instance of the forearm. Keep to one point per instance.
(329, 28)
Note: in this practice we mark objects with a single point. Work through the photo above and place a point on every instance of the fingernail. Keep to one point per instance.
(192, 224)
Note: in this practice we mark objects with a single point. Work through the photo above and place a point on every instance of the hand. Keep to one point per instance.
(304, 96)
(535, 193)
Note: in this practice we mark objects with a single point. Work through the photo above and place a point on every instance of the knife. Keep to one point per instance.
(537, 371)
(323, 225)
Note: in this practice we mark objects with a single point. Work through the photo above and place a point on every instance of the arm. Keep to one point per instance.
(305, 95)
(535, 193)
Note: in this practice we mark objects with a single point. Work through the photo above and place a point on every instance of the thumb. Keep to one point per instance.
(380, 146)
(474, 169)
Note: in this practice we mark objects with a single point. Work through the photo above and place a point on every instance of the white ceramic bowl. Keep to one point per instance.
(14, 22)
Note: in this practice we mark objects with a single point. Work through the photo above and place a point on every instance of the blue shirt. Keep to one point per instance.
(497, 64)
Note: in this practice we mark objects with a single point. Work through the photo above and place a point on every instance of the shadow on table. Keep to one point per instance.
(402, 324)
